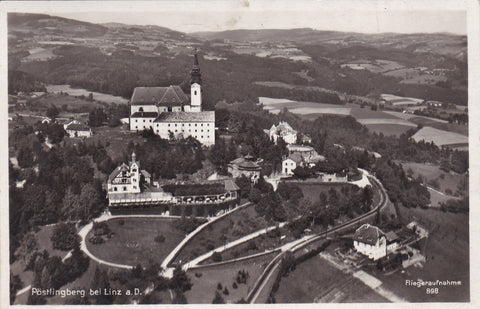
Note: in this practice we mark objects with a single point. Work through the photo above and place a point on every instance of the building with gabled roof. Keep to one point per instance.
(373, 242)
(77, 129)
(171, 114)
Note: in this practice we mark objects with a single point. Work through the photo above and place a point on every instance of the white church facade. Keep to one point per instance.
(171, 114)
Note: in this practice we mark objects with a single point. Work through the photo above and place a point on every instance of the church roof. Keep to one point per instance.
(162, 96)
(144, 115)
(206, 116)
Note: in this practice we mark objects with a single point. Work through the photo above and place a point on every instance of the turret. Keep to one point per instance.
(196, 86)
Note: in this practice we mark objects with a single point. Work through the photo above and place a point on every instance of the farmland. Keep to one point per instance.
(446, 181)
(389, 129)
(439, 137)
(315, 280)
(97, 96)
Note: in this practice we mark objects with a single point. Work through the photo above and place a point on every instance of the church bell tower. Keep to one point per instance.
(196, 86)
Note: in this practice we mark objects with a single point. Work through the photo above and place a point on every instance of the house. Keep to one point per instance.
(125, 178)
(290, 163)
(171, 114)
(371, 241)
(299, 155)
(245, 166)
(77, 129)
(283, 130)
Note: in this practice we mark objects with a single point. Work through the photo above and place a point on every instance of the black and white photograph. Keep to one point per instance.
(238, 152)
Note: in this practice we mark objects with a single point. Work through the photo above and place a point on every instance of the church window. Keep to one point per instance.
(134, 170)
(136, 120)
(115, 189)
(189, 124)
(201, 136)
(143, 120)
(201, 124)
(195, 124)
(157, 125)
(134, 187)
(140, 109)
(157, 131)
(136, 127)
(168, 124)
(124, 188)
(195, 130)
(176, 131)
(195, 92)
(134, 180)
(201, 130)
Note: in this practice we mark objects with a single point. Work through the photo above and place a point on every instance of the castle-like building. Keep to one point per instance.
(171, 114)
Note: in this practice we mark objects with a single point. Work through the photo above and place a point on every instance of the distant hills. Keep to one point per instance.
(115, 58)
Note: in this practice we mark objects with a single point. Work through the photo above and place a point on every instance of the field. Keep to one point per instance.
(430, 172)
(116, 139)
(388, 129)
(447, 253)
(71, 102)
(205, 280)
(439, 137)
(234, 226)
(133, 242)
(97, 96)
(40, 54)
(315, 280)
(274, 106)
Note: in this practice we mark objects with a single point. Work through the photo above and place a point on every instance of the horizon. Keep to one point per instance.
(368, 17)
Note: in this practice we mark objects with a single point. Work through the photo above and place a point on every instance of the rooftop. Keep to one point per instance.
(163, 96)
(144, 115)
(206, 116)
(368, 234)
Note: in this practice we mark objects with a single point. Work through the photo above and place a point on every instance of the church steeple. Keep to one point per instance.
(196, 76)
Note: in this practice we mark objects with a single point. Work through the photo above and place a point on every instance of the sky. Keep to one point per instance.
(368, 16)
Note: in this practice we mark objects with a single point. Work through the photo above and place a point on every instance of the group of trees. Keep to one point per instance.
(164, 159)
(59, 185)
(52, 272)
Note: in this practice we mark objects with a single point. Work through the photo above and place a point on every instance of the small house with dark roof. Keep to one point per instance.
(245, 166)
(373, 242)
(171, 114)
(75, 128)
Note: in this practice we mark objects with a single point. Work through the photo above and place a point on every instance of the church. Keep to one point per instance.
(171, 114)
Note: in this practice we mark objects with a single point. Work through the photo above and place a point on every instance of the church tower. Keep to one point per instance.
(196, 86)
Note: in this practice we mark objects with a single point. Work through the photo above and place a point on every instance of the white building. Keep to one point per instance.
(171, 114)
(125, 178)
(283, 130)
(372, 242)
(290, 163)
(77, 129)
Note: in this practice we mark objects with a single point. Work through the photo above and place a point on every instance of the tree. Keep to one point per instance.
(218, 299)
(96, 117)
(180, 281)
(65, 237)
(15, 285)
(101, 281)
(27, 250)
(52, 112)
